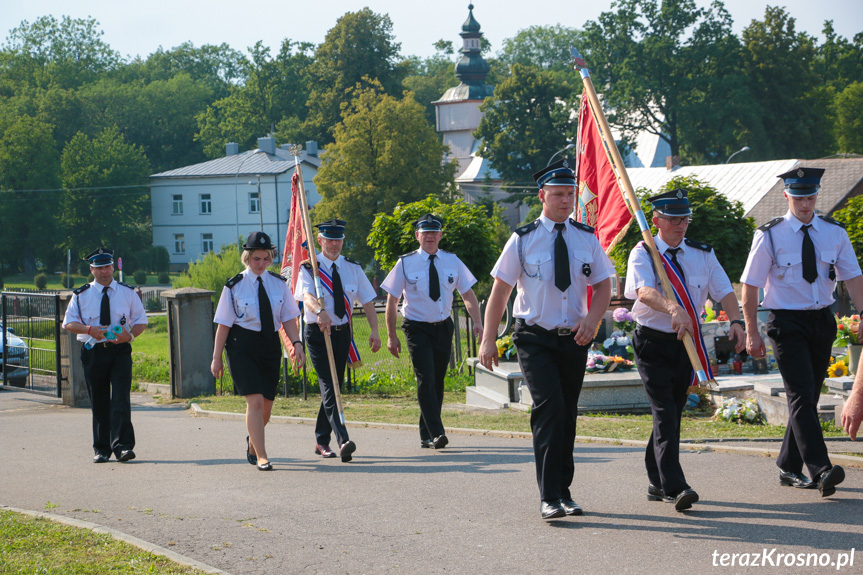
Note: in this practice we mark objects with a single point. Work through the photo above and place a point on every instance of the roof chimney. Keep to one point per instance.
(672, 163)
(312, 148)
(232, 149)
(267, 145)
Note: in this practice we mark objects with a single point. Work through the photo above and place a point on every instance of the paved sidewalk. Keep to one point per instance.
(470, 508)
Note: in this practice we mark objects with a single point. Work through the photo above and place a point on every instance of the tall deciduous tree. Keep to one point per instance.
(219, 67)
(670, 68)
(106, 200)
(545, 47)
(276, 89)
(360, 45)
(29, 166)
(849, 119)
(384, 152)
(429, 78)
(529, 118)
(792, 117)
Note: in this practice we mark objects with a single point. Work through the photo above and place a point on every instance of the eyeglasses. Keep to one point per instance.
(675, 222)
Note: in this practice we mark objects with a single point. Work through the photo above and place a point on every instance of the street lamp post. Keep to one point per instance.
(568, 147)
(743, 149)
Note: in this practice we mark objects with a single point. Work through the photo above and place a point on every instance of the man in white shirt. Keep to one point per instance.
(426, 278)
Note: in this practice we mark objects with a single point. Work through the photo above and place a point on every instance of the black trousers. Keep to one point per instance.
(108, 374)
(803, 342)
(666, 371)
(328, 414)
(430, 347)
(553, 369)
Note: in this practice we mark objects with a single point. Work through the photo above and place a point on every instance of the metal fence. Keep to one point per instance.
(31, 341)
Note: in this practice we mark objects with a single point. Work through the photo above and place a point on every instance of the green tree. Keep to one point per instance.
(29, 165)
(792, 117)
(276, 90)
(384, 152)
(360, 45)
(529, 118)
(218, 67)
(212, 271)
(106, 200)
(716, 221)
(65, 53)
(838, 61)
(544, 47)
(852, 217)
(671, 69)
(849, 119)
(468, 232)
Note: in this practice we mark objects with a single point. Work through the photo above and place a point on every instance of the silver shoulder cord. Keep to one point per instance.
(234, 305)
(519, 249)
(404, 273)
(773, 253)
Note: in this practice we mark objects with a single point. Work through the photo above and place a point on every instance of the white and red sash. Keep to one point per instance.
(353, 353)
(681, 292)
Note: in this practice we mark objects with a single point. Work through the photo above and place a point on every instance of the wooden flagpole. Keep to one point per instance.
(635, 207)
(319, 288)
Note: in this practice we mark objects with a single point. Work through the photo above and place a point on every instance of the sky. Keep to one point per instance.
(140, 28)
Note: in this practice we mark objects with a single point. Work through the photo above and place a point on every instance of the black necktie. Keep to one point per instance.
(338, 293)
(810, 269)
(673, 252)
(561, 260)
(105, 311)
(434, 280)
(266, 312)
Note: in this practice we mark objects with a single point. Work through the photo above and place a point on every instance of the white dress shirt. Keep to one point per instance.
(355, 284)
(239, 305)
(775, 263)
(538, 301)
(410, 278)
(704, 275)
(86, 307)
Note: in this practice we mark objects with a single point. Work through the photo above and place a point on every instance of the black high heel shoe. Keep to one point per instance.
(253, 459)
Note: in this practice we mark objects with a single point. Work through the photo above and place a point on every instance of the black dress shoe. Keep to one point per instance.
(426, 443)
(828, 480)
(685, 499)
(440, 442)
(347, 448)
(655, 493)
(99, 458)
(253, 459)
(551, 510)
(126, 455)
(797, 480)
(570, 507)
(324, 451)
(265, 466)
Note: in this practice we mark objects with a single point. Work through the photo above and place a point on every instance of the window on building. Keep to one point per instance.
(206, 204)
(254, 203)
(206, 243)
(179, 243)
(177, 205)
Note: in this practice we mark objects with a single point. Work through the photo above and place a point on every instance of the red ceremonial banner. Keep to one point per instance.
(294, 252)
(600, 202)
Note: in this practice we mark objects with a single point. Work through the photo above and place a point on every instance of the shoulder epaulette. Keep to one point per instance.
(281, 277)
(698, 245)
(581, 226)
(233, 281)
(409, 254)
(80, 290)
(523, 230)
(306, 264)
(353, 262)
(830, 220)
(126, 285)
(770, 224)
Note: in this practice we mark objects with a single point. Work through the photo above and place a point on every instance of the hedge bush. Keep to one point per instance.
(164, 278)
(140, 277)
(67, 281)
(41, 281)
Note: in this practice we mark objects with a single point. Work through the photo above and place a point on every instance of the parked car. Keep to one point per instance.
(18, 359)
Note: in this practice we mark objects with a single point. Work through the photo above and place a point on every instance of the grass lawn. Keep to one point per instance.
(36, 545)
(404, 409)
(25, 281)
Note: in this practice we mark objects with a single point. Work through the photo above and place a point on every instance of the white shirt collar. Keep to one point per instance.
(797, 224)
(548, 223)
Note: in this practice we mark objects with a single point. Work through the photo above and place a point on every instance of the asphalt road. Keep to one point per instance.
(470, 508)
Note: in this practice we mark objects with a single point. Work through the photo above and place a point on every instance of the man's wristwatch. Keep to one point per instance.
(739, 322)
(319, 310)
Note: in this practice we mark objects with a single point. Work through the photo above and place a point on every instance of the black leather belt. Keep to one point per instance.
(560, 331)
(334, 327)
(656, 334)
(803, 312)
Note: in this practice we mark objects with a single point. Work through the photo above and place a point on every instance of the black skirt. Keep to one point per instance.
(254, 359)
